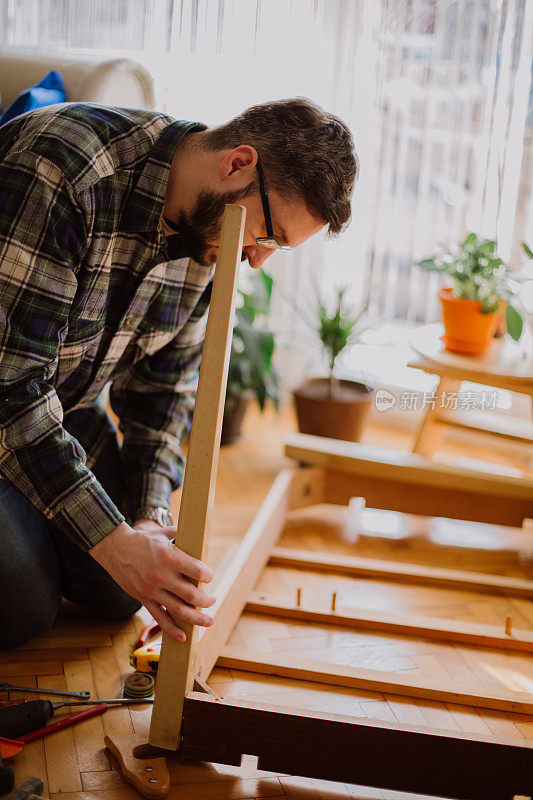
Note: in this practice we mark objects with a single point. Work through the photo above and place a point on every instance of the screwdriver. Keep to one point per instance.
(17, 720)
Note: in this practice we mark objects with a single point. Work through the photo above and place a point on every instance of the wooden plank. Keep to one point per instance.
(60, 749)
(510, 428)
(307, 488)
(89, 736)
(404, 573)
(38, 656)
(429, 434)
(108, 683)
(11, 669)
(245, 568)
(448, 630)
(305, 669)
(430, 501)
(404, 468)
(465, 766)
(176, 664)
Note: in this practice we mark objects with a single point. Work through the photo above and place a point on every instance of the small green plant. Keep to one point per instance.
(337, 329)
(250, 365)
(479, 274)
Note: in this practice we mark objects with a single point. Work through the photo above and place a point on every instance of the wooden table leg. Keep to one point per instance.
(430, 432)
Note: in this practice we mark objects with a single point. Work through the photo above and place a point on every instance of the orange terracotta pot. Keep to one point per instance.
(466, 329)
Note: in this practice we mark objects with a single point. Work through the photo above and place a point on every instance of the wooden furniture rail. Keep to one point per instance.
(410, 483)
(503, 366)
(310, 743)
(388, 755)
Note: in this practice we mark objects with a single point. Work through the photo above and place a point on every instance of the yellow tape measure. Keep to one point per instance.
(146, 658)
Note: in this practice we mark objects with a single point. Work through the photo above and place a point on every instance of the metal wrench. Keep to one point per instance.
(9, 687)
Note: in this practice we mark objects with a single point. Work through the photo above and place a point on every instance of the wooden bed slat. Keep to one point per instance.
(411, 483)
(233, 587)
(305, 669)
(448, 630)
(405, 573)
(356, 459)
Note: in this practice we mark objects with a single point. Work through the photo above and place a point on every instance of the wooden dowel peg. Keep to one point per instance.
(333, 601)
(527, 525)
(509, 625)
(298, 597)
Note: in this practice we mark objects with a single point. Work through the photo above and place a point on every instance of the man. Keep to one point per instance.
(109, 228)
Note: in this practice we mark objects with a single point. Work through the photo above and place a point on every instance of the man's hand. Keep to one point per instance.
(145, 564)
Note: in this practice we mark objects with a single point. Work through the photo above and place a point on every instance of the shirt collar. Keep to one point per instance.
(145, 206)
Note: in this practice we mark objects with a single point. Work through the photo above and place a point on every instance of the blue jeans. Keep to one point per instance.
(39, 564)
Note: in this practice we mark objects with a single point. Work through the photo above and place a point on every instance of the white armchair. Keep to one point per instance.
(120, 82)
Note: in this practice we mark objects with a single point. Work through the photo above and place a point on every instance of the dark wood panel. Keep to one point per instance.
(334, 747)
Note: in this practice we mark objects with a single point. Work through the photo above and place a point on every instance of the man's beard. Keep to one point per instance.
(199, 229)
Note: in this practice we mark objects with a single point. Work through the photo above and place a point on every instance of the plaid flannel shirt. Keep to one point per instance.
(89, 296)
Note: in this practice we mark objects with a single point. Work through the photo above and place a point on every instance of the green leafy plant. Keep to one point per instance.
(478, 273)
(250, 365)
(337, 329)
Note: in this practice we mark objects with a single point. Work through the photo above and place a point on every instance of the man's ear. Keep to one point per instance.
(241, 159)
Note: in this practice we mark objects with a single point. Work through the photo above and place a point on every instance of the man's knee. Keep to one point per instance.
(30, 593)
(35, 614)
(120, 607)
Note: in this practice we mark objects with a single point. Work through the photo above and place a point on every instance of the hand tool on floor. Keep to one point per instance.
(36, 797)
(16, 721)
(9, 748)
(145, 657)
(9, 687)
(61, 724)
(31, 788)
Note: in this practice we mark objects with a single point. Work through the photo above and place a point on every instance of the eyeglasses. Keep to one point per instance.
(269, 240)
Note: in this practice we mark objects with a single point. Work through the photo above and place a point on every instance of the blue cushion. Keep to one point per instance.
(49, 91)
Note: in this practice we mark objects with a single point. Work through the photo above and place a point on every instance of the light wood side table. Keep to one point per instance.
(504, 366)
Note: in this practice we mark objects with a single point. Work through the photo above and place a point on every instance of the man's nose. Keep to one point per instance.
(257, 255)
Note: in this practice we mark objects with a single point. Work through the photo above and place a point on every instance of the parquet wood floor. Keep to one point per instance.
(79, 653)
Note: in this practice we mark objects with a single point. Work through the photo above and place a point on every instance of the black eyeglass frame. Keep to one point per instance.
(270, 240)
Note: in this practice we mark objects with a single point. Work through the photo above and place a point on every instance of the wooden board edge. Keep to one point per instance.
(374, 680)
(354, 750)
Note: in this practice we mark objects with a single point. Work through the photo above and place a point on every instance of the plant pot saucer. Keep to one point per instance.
(468, 348)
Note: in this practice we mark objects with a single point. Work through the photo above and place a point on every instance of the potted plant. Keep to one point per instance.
(472, 308)
(329, 406)
(250, 370)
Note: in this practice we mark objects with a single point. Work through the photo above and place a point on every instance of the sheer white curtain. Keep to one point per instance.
(436, 93)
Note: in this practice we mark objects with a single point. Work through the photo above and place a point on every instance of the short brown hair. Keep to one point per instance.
(304, 151)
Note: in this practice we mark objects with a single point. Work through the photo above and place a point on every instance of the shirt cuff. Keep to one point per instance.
(88, 515)
(152, 489)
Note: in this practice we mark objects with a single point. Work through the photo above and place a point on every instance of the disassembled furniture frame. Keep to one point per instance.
(309, 743)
